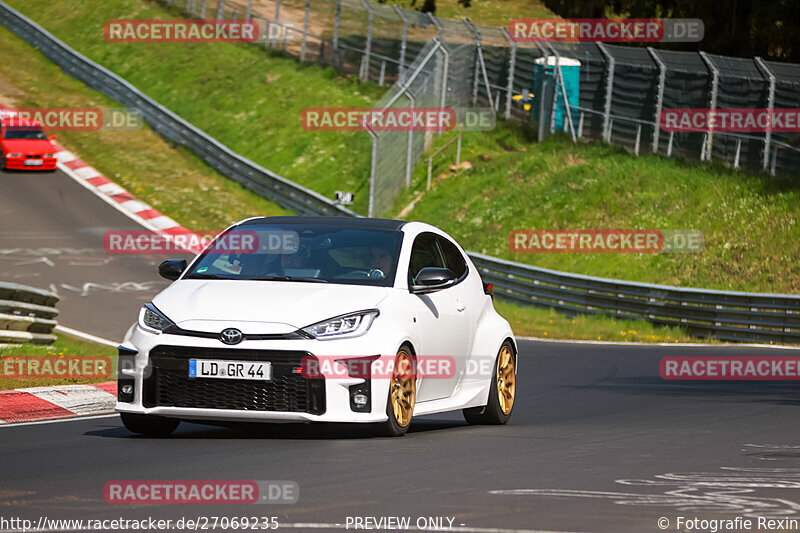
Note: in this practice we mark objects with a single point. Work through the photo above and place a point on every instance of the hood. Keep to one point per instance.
(261, 306)
(28, 146)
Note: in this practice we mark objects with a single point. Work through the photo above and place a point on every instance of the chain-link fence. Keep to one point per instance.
(621, 89)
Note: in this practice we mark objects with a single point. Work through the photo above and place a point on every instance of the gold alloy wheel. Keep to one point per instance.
(403, 389)
(505, 379)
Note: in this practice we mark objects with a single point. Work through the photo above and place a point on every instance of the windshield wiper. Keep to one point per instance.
(288, 278)
(198, 275)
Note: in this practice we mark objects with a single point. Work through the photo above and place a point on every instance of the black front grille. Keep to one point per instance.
(168, 384)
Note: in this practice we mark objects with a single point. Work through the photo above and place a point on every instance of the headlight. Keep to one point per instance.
(13, 155)
(350, 325)
(153, 319)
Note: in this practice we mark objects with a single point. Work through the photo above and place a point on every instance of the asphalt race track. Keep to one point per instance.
(51, 237)
(597, 442)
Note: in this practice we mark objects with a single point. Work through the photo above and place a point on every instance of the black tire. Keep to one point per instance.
(403, 383)
(152, 426)
(497, 412)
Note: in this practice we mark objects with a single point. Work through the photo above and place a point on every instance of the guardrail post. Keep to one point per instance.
(738, 153)
(609, 89)
(364, 74)
(305, 30)
(662, 78)
(770, 105)
(512, 63)
(774, 160)
(638, 138)
(669, 145)
(713, 104)
(403, 44)
(277, 22)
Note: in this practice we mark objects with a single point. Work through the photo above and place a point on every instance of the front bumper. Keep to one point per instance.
(159, 374)
(18, 163)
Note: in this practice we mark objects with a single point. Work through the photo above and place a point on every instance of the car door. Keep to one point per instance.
(443, 324)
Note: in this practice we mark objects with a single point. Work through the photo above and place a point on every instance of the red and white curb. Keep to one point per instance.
(62, 401)
(116, 196)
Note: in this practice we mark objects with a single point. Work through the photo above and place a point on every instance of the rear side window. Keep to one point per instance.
(452, 257)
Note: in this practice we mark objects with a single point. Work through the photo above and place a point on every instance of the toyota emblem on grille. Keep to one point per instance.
(231, 336)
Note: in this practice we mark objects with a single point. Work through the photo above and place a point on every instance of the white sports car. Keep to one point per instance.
(305, 319)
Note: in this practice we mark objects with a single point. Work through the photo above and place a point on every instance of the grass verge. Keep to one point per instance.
(63, 346)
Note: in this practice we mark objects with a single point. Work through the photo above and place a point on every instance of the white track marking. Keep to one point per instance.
(86, 336)
(55, 420)
(78, 399)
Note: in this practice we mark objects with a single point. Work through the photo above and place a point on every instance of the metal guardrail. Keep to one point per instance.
(169, 125)
(27, 314)
(727, 315)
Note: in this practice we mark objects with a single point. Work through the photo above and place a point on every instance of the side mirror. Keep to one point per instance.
(431, 279)
(172, 268)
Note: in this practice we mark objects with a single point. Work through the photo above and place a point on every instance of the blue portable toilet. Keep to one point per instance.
(571, 72)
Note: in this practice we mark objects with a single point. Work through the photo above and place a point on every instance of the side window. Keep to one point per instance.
(452, 257)
(424, 253)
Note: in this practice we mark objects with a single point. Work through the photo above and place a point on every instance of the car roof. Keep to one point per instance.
(350, 222)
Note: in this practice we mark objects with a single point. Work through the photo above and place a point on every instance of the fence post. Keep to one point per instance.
(512, 63)
(221, 10)
(770, 105)
(249, 13)
(364, 72)
(443, 99)
(638, 139)
(410, 148)
(306, 13)
(203, 9)
(479, 62)
(609, 89)
(669, 145)
(277, 21)
(403, 44)
(713, 105)
(336, 19)
(662, 79)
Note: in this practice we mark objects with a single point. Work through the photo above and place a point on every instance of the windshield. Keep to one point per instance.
(25, 133)
(302, 252)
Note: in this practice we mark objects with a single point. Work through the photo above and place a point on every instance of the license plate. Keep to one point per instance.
(33, 162)
(224, 369)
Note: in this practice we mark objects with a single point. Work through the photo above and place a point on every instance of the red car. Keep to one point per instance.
(25, 145)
